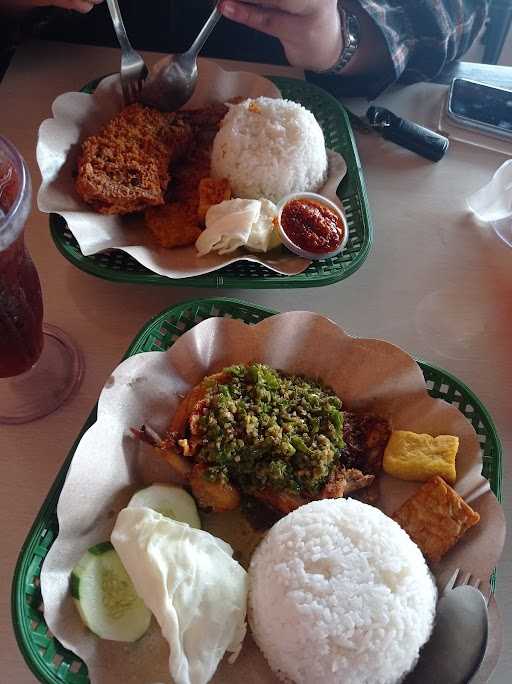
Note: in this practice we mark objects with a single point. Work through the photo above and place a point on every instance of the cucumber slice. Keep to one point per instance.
(105, 597)
(173, 502)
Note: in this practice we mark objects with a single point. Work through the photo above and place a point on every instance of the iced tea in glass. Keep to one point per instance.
(39, 366)
(21, 302)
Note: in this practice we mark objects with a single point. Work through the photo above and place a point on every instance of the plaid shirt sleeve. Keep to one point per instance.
(423, 36)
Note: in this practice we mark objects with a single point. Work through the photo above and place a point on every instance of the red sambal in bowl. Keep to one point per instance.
(312, 226)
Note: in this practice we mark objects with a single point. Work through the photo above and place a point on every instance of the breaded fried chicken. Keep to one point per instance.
(126, 167)
(178, 222)
(173, 225)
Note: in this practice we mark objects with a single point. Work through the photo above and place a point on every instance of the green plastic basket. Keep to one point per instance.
(45, 656)
(116, 265)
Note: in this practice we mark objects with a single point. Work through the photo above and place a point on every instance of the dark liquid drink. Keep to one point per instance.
(40, 368)
(21, 304)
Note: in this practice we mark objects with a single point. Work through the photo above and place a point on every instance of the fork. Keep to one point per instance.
(133, 69)
(461, 579)
(458, 643)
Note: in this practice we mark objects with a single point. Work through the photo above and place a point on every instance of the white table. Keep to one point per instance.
(434, 283)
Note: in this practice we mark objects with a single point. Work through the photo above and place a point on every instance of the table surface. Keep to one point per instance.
(435, 284)
(492, 74)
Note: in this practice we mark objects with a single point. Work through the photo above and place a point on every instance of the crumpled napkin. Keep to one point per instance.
(492, 204)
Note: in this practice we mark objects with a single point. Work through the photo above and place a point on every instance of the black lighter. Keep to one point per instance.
(408, 134)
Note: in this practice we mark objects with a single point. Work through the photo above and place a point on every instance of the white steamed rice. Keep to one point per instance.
(269, 148)
(338, 592)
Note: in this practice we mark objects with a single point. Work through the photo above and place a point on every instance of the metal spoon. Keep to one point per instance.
(171, 83)
(457, 645)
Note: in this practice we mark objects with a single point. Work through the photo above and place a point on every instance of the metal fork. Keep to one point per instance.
(461, 579)
(133, 69)
(458, 643)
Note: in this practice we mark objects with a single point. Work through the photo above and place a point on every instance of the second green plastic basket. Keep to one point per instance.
(46, 657)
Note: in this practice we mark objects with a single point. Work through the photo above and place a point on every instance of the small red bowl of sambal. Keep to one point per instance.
(311, 226)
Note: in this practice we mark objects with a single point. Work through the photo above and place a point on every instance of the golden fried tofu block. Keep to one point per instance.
(173, 225)
(435, 518)
(212, 191)
(412, 456)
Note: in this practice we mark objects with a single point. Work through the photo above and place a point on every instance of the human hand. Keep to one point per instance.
(309, 30)
(82, 6)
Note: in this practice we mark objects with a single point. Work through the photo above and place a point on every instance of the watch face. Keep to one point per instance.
(352, 28)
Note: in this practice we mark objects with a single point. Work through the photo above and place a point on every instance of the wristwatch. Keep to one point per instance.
(351, 38)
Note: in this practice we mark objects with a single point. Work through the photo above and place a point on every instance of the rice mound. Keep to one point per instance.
(338, 592)
(269, 148)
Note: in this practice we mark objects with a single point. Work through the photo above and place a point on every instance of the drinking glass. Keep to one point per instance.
(40, 368)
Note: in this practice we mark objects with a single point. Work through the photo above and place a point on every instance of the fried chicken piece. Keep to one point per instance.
(435, 518)
(126, 167)
(206, 117)
(217, 496)
(188, 174)
(168, 449)
(212, 191)
(164, 137)
(343, 481)
(190, 408)
(205, 122)
(284, 502)
(173, 225)
(114, 181)
(366, 437)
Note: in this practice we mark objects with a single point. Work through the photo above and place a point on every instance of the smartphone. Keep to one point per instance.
(481, 107)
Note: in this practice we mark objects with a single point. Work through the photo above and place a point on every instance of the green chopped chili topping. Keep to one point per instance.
(263, 428)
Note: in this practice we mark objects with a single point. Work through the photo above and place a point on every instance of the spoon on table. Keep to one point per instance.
(171, 83)
(457, 646)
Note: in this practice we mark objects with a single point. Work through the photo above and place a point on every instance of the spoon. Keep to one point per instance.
(171, 83)
(457, 646)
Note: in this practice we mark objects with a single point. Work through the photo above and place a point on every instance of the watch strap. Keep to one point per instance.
(351, 36)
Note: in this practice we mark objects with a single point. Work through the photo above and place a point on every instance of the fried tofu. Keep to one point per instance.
(212, 191)
(174, 224)
(125, 168)
(418, 457)
(435, 518)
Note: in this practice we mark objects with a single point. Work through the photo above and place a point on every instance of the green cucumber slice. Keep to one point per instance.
(105, 598)
(173, 502)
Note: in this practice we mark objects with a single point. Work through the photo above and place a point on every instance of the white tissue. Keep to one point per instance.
(492, 204)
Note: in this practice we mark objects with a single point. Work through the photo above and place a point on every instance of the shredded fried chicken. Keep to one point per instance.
(212, 191)
(126, 167)
(173, 225)
(144, 159)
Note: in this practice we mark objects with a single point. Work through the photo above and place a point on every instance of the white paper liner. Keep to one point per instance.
(78, 115)
(109, 464)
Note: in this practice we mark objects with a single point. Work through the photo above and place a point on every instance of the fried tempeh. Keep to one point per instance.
(436, 517)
